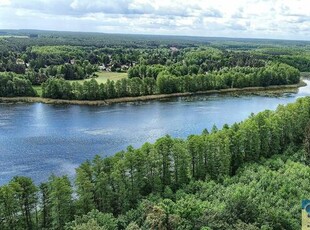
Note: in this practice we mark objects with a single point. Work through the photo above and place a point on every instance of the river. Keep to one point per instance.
(38, 139)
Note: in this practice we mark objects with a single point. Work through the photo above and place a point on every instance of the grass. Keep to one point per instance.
(38, 88)
(102, 78)
(305, 220)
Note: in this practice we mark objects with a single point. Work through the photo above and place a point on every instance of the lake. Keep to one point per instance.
(38, 139)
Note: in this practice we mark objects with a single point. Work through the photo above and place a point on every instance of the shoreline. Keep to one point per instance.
(147, 97)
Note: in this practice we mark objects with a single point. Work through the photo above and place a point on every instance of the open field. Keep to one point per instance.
(104, 76)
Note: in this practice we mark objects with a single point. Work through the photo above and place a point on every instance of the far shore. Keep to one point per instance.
(272, 89)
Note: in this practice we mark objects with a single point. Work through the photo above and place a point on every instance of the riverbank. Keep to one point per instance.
(274, 88)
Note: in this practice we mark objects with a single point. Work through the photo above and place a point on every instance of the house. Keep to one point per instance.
(124, 67)
(102, 67)
(20, 61)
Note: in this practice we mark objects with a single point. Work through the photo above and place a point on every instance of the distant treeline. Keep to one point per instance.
(52, 55)
(78, 56)
(177, 175)
(166, 83)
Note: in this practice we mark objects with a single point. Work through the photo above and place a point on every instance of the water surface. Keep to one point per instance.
(39, 139)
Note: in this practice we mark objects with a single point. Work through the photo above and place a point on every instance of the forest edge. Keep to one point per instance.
(272, 88)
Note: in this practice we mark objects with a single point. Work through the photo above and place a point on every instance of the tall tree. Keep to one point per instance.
(61, 201)
(26, 195)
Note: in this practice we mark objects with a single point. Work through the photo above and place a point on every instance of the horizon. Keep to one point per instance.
(249, 19)
(155, 35)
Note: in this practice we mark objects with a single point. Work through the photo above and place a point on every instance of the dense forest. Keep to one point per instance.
(251, 175)
(61, 63)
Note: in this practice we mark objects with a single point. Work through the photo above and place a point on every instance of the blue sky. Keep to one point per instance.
(282, 19)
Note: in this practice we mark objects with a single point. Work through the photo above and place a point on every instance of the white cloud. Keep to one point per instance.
(5, 2)
(287, 19)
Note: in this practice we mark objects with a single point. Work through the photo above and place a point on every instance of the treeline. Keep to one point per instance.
(192, 62)
(185, 184)
(68, 60)
(298, 57)
(165, 83)
(181, 55)
(12, 85)
(96, 40)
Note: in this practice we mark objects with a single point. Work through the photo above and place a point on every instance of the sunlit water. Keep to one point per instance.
(37, 139)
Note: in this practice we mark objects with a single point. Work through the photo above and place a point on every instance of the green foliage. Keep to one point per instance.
(154, 64)
(12, 85)
(57, 88)
(18, 202)
(55, 50)
(25, 193)
(307, 143)
(172, 163)
(251, 175)
(61, 201)
(8, 208)
(217, 180)
(93, 220)
(238, 77)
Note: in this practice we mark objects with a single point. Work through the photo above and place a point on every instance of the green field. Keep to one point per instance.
(102, 78)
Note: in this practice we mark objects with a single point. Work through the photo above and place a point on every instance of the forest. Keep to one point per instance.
(66, 65)
(165, 83)
(250, 175)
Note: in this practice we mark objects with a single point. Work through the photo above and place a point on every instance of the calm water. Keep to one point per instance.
(38, 139)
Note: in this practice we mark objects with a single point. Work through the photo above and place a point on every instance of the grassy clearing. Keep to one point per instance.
(104, 76)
